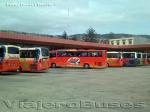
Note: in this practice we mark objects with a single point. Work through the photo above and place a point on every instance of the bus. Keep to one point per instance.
(130, 59)
(34, 59)
(114, 59)
(9, 58)
(78, 58)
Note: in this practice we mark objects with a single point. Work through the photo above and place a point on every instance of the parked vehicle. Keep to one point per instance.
(114, 59)
(78, 58)
(34, 59)
(130, 59)
(9, 58)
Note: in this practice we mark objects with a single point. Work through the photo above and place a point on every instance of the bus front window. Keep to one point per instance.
(128, 55)
(113, 55)
(45, 52)
(28, 54)
(2, 53)
(37, 54)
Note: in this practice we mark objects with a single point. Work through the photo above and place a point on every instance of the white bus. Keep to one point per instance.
(9, 58)
(130, 58)
(34, 59)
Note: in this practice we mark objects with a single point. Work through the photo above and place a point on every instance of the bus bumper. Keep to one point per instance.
(38, 67)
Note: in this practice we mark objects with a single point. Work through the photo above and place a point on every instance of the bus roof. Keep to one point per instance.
(32, 48)
(9, 46)
(73, 50)
(129, 52)
(113, 52)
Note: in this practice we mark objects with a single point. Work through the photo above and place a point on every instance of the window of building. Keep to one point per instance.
(124, 42)
(112, 42)
(118, 42)
(130, 41)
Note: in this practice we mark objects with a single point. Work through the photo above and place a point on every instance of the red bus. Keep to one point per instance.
(34, 59)
(78, 58)
(9, 58)
(114, 59)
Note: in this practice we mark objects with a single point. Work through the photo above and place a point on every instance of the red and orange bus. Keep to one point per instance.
(78, 58)
(9, 58)
(114, 59)
(34, 59)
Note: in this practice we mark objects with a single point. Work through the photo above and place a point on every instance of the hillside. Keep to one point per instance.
(81, 36)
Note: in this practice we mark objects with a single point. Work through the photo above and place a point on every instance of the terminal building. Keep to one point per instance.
(129, 41)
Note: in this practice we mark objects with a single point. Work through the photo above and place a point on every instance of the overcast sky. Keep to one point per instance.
(75, 16)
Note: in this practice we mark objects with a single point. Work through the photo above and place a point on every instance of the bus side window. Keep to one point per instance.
(138, 56)
(52, 55)
(100, 54)
(13, 50)
(22, 54)
(84, 54)
(78, 54)
(61, 53)
(132, 56)
(144, 55)
(95, 54)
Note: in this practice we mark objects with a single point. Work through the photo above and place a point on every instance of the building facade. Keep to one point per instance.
(129, 41)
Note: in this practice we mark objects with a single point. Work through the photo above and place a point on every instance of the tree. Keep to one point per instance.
(90, 35)
(64, 35)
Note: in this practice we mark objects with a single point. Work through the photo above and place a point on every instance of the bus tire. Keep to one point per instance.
(53, 65)
(19, 69)
(86, 66)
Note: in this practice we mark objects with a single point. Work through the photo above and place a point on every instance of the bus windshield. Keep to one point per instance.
(45, 52)
(128, 55)
(113, 55)
(144, 55)
(1, 52)
(28, 54)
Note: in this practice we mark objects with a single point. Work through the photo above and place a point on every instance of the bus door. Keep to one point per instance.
(140, 59)
(44, 59)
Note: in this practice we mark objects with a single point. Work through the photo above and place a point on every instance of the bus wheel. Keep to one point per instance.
(53, 65)
(86, 66)
(19, 69)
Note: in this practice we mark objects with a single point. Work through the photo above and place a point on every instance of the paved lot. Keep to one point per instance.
(124, 89)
